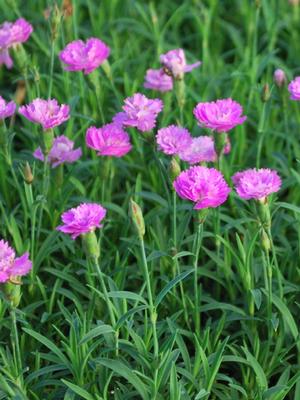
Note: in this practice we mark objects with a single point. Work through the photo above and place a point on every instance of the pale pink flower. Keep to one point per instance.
(84, 56)
(110, 140)
(48, 113)
(279, 77)
(82, 219)
(6, 109)
(157, 79)
(10, 266)
(173, 139)
(200, 150)
(206, 187)
(221, 115)
(256, 183)
(294, 89)
(62, 151)
(174, 63)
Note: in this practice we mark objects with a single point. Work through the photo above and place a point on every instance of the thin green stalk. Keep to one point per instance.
(51, 68)
(16, 345)
(196, 250)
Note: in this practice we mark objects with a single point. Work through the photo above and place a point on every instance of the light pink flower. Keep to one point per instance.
(279, 77)
(156, 79)
(294, 89)
(200, 150)
(61, 152)
(6, 109)
(82, 219)
(174, 63)
(5, 58)
(48, 113)
(206, 187)
(256, 183)
(110, 140)
(10, 266)
(173, 139)
(141, 112)
(221, 115)
(81, 56)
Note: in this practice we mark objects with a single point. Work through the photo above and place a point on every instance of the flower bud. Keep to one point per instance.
(67, 7)
(294, 2)
(265, 241)
(28, 176)
(264, 213)
(174, 169)
(137, 218)
(12, 292)
(279, 77)
(90, 244)
(265, 94)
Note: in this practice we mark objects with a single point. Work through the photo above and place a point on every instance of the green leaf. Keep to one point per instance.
(123, 294)
(257, 368)
(99, 330)
(78, 390)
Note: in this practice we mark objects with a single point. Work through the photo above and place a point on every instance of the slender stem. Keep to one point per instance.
(51, 68)
(196, 250)
(15, 341)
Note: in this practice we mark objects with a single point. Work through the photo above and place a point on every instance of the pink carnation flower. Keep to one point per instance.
(61, 152)
(174, 63)
(110, 140)
(220, 115)
(81, 56)
(10, 266)
(141, 112)
(82, 219)
(256, 183)
(156, 79)
(48, 113)
(279, 77)
(206, 187)
(201, 149)
(294, 89)
(6, 109)
(173, 139)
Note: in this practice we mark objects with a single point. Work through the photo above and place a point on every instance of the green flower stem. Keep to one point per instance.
(196, 249)
(16, 346)
(180, 96)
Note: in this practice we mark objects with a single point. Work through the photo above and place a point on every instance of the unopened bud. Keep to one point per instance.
(279, 77)
(264, 212)
(265, 241)
(21, 92)
(90, 244)
(28, 176)
(12, 292)
(174, 169)
(55, 21)
(137, 218)
(265, 94)
(258, 3)
(294, 2)
(67, 8)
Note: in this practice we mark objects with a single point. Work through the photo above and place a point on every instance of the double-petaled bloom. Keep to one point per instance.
(84, 56)
(47, 113)
(7, 109)
(173, 139)
(256, 184)
(174, 63)
(62, 151)
(12, 267)
(157, 79)
(12, 34)
(82, 219)
(206, 187)
(294, 89)
(220, 116)
(109, 140)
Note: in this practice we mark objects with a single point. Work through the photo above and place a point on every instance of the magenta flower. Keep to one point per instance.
(256, 183)
(48, 113)
(174, 63)
(294, 89)
(110, 140)
(206, 187)
(157, 79)
(84, 56)
(220, 115)
(173, 139)
(61, 152)
(6, 109)
(200, 150)
(141, 112)
(82, 219)
(10, 266)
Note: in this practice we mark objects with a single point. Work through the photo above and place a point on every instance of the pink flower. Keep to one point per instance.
(6, 109)
(279, 77)
(110, 140)
(206, 187)
(201, 149)
(156, 79)
(82, 219)
(10, 266)
(174, 63)
(294, 89)
(61, 152)
(220, 115)
(141, 112)
(256, 183)
(81, 56)
(173, 139)
(48, 113)
(5, 58)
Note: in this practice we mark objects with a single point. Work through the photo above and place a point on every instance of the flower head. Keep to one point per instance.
(279, 77)
(10, 266)
(294, 89)
(157, 79)
(174, 63)
(84, 56)
(141, 112)
(173, 139)
(6, 109)
(12, 33)
(256, 183)
(206, 187)
(110, 140)
(201, 149)
(61, 152)
(48, 113)
(82, 219)
(220, 115)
